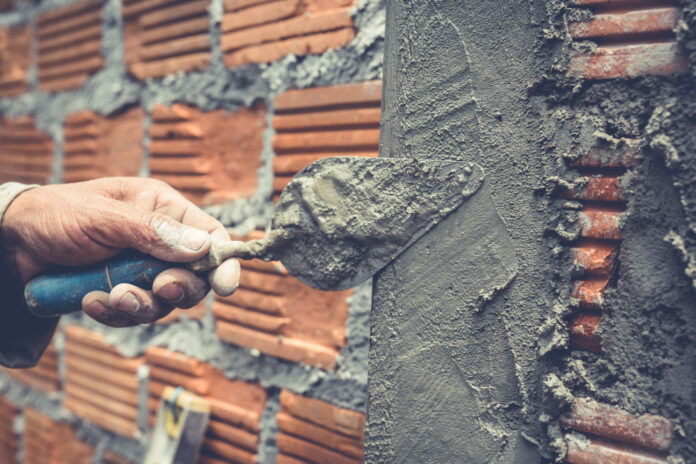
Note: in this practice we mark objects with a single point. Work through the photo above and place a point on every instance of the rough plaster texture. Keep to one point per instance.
(458, 88)
(217, 88)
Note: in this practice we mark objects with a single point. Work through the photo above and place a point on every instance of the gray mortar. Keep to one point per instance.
(268, 450)
(112, 90)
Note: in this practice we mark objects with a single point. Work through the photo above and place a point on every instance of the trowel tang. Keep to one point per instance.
(60, 293)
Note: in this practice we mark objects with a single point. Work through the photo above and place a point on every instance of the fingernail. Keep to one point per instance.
(96, 309)
(128, 303)
(173, 292)
(193, 239)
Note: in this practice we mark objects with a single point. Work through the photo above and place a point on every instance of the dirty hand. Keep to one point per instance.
(87, 222)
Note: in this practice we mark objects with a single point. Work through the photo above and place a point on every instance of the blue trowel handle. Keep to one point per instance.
(59, 293)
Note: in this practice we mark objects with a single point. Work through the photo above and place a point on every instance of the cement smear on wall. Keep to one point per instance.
(486, 82)
(111, 90)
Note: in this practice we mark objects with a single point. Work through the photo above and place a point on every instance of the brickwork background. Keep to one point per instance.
(225, 100)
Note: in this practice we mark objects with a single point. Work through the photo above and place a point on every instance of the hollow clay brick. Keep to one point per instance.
(261, 32)
(236, 406)
(583, 450)
(610, 422)
(629, 61)
(280, 316)
(165, 36)
(590, 292)
(69, 48)
(316, 123)
(101, 385)
(14, 60)
(210, 156)
(609, 157)
(596, 257)
(43, 376)
(598, 188)
(340, 420)
(629, 23)
(316, 431)
(583, 334)
(51, 442)
(27, 153)
(600, 222)
(95, 146)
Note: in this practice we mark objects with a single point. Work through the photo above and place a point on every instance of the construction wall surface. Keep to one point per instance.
(225, 101)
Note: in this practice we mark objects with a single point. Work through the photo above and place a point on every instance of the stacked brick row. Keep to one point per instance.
(312, 431)
(257, 31)
(311, 124)
(26, 153)
(211, 156)
(101, 385)
(198, 154)
(50, 442)
(164, 36)
(634, 39)
(233, 428)
(69, 45)
(276, 314)
(14, 60)
(95, 146)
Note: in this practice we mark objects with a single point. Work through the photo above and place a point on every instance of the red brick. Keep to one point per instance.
(27, 153)
(609, 157)
(43, 376)
(96, 146)
(629, 61)
(14, 56)
(51, 442)
(590, 292)
(236, 406)
(595, 257)
(261, 32)
(9, 440)
(598, 188)
(65, 62)
(600, 223)
(630, 23)
(211, 156)
(583, 335)
(341, 420)
(311, 429)
(101, 385)
(280, 316)
(594, 451)
(165, 36)
(316, 123)
(610, 422)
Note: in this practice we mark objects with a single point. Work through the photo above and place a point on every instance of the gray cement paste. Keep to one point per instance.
(485, 81)
(342, 219)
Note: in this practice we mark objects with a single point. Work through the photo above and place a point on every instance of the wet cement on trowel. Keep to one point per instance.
(342, 219)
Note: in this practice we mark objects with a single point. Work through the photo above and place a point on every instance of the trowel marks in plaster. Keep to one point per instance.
(342, 219)
(442, 376)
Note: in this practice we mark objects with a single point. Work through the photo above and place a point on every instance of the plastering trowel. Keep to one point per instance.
(337, 223)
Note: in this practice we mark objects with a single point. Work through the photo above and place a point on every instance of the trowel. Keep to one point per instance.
(337, 223)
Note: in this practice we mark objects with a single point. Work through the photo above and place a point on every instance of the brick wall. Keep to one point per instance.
(225, 101)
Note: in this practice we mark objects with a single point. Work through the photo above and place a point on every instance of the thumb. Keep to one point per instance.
(166, 238)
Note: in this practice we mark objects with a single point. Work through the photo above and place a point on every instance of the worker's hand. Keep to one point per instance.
(88, 222)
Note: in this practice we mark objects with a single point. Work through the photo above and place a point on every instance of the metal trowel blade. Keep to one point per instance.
(342, 219)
